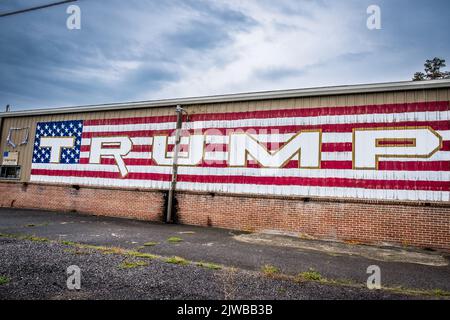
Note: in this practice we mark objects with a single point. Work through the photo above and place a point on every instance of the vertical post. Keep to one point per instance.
(173, 183)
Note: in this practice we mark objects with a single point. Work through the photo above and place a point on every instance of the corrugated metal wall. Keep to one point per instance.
(25, 152)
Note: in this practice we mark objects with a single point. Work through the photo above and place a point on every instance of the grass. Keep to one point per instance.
(68, 243)
(440, 293)
(176, 260)
(137, 254)
(4, 280)
(174, 240)
(311, 275)
(269, 270)
(132, 264)
(208, 265)
(150, 244)
(24, 237)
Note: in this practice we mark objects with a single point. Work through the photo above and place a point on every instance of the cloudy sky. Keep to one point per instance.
(130, 50)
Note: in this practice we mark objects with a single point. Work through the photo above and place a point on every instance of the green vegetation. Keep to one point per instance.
(137, 254)
(35, 239)
(440, 293)
(132, 264)
(208, 265)
(174, 240)
(4, 280)
(24, 237)
(68, 243)
(176, 260)
(150, 244)
(270, 270)
(311, 275)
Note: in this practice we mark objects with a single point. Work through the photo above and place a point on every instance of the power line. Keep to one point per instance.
(35, 8)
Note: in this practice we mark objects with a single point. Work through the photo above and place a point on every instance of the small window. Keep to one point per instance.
(10, 172)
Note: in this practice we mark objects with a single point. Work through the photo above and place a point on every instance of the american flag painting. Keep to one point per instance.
(391, 152)
(52, 130)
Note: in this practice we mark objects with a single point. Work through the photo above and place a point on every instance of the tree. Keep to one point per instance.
(432, 71)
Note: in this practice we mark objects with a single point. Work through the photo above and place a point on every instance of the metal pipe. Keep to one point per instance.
(173, 184)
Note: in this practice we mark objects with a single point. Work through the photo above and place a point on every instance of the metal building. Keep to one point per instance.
(365, 162)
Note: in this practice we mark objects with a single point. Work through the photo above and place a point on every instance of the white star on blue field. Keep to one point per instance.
(147, 49)
(58, 129)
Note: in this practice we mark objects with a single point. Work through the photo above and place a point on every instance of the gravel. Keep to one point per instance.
(37, 270)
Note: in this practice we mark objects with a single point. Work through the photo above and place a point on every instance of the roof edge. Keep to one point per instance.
(252, 96)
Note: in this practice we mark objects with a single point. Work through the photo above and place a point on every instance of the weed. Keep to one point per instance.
(270, 270)
(208, 265)
(150, 244)
(4, 280)
(174, 240)
(68, 243)
(132, 264)
(311, 275)
(35, 239)
(137, 254)
(176, 260)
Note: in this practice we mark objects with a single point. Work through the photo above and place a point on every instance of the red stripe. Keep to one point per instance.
(445, 146)
(341, 165)
(216, 147)
(337, 165)
(135, 148)
(396, 143)
(436, 125)
(337, 147)
(285, 113)
(287, 181)
(414, 166)
(393, 165)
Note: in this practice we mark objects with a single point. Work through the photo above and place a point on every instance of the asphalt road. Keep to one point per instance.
(37, 270)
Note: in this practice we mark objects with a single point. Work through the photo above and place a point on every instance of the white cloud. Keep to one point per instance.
(289, 37)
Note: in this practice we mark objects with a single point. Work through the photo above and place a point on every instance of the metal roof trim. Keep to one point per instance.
(252, 96)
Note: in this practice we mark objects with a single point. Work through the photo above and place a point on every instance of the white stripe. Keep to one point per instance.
(270, 122)
(261, 172)
(347, 156)
(256, 189)
(131, 155)
(327, 137)
(325, 156)
(444, 134)
(136, 141)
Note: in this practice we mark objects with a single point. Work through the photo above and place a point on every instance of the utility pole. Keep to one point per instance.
(173, 184)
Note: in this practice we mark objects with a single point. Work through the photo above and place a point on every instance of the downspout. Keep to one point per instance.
(173, 184)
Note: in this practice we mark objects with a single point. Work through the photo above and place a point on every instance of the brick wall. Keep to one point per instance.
(134, 204)
(365, 222)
